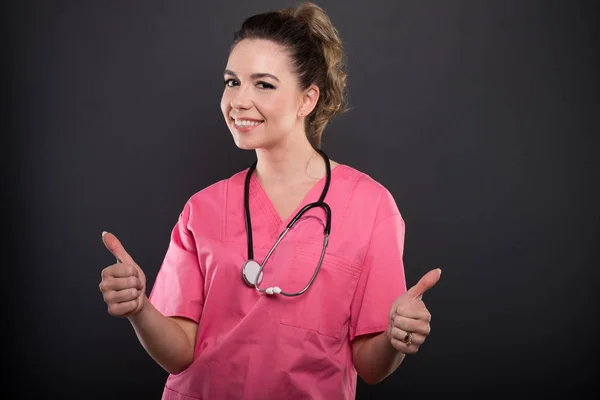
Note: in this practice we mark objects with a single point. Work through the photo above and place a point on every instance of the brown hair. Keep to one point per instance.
(316, 52)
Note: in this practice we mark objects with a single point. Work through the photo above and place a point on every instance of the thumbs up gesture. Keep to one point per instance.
(409, 318)
(123, 283)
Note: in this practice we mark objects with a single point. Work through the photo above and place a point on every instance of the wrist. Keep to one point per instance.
(140, 313)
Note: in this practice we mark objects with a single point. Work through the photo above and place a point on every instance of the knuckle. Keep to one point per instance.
(117, 248)
(108, 297)
(128, 307)
(132, 281)
(112, 309)
(131, 270)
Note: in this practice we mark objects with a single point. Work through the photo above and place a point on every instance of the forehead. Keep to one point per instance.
(251, 56)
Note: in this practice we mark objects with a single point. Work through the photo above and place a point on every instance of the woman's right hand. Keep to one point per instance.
(123, 284)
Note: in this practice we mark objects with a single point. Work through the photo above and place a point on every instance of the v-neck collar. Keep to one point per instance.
(270, 212)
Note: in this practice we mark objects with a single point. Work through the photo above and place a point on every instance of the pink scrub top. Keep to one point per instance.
(254, 346)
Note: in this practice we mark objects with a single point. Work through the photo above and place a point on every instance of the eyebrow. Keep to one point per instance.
(257, 75)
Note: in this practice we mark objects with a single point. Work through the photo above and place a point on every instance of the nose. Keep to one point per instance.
(242, 98)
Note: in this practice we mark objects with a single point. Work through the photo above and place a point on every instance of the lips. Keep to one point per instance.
(246, 119)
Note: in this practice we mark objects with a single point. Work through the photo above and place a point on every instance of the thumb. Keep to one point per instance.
(116, 248)
(425, 283)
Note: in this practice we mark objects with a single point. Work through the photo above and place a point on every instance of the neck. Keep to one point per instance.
(289, 163)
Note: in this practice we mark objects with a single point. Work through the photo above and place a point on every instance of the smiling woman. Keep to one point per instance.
(287, 278)
(297, 53)
(272, 100)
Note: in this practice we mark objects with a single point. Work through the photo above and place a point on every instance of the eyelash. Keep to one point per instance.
(266, 86)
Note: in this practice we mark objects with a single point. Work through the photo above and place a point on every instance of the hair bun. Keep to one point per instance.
(328, 39)
(320, 27)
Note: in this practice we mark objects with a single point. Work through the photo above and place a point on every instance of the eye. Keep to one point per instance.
(231, 82)
(265, 85)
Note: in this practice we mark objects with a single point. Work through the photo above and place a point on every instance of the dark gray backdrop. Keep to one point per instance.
(479, 116)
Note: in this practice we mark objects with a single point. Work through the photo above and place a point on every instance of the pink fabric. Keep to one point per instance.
(252, 346)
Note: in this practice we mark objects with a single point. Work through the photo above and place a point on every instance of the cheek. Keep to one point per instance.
(278, 109)
(225, 104)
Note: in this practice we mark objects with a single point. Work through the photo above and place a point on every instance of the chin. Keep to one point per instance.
(245, 144)
(256, 140)
(245, 147)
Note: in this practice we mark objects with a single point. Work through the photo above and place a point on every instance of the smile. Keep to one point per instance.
(245, 125)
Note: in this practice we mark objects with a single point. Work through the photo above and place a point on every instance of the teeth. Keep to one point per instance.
(241, 122)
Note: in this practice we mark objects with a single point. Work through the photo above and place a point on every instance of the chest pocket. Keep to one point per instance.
(325, 306)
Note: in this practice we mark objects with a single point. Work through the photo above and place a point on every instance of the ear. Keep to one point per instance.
(309, 101)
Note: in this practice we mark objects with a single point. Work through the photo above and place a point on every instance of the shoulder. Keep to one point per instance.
(211, 198)
(362, 207)
(368, 192)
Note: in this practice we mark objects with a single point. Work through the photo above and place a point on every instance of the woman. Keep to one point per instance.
(330, 302)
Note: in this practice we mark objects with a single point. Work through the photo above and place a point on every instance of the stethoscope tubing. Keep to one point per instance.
(326, 231)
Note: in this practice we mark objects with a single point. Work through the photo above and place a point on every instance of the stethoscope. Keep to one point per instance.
(252, 269)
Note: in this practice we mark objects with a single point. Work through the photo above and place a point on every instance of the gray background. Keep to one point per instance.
(479, 116)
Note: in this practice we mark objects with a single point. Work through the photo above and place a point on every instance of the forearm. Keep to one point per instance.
(164, 340)
(377, 359)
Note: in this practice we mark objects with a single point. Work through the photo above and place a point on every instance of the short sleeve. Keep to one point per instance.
(382, 279)
(178, 288)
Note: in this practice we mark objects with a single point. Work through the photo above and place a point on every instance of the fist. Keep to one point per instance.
(409, 318)
(123, 284)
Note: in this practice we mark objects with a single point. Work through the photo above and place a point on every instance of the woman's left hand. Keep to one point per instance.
(409, 318)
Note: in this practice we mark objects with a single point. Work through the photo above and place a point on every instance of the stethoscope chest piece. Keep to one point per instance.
(250, 272)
